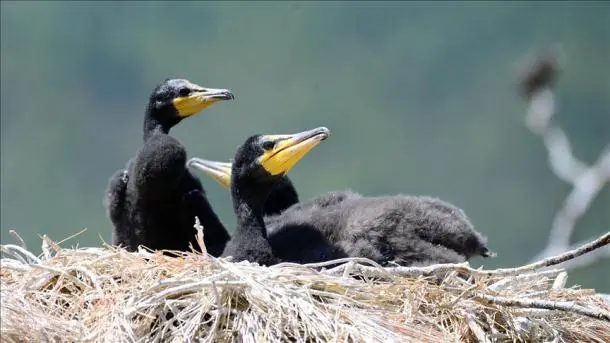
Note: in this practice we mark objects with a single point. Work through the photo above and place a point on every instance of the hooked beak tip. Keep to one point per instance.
(225, 95)
(325, 132)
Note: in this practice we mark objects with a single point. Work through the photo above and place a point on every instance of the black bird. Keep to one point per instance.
(154, 201)
(259, 164)
(282, 196)
(408, 230)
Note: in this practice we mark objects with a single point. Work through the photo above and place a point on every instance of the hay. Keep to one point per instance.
(110, 295)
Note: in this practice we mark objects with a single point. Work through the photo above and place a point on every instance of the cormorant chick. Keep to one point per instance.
(343, 223)
(409, 230)
(155, 200)
(258, 166)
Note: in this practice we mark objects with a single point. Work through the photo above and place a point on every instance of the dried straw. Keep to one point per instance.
(110, 295)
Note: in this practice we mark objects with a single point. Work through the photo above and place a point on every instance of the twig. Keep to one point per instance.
(520, 279)
(550, 261)
(199, 236)
(588, 259)
(587, 182)
(560, 281)
(185, 288)
(586, 188)
(602, 241)
(545, 304)
(476, 329)
(219, 308)
(17, 252)
(70, 237)
(18, 239)
(329, 263)
(462, 295)
(47, 245)
(562, 162)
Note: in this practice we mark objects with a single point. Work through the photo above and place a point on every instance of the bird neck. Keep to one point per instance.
(248, 206)
(153, 126)
(281, 197)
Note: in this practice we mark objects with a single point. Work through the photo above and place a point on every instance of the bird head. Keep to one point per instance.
(265, 159)
(176, 99)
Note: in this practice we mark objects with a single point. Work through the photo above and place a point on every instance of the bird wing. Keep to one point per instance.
(114, 201)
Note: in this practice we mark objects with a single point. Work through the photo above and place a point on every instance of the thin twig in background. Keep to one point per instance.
(537, 83)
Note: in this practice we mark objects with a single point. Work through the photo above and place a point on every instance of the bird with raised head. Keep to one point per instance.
(259, 165)
(154, 201)
(408, 230)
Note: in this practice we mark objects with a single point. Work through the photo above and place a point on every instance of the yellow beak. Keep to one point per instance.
(219, 171)
(289, 149)
(199, 99)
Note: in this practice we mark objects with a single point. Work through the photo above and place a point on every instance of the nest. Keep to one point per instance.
(111, 295)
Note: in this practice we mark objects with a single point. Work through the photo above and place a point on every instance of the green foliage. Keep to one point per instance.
(421, 98)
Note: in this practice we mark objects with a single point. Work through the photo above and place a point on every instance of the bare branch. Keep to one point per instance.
(601, 242)
(566, 306)
(18, 238)
(536, 85)
(199, 237)
(518, 280)
(560, 281)
(476, 329)
(538, 120)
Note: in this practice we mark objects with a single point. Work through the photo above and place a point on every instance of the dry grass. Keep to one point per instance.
(110, 295)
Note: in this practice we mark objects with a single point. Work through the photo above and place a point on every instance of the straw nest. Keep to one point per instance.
(110, 295)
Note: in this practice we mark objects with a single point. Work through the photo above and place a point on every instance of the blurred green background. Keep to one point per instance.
(421, 98)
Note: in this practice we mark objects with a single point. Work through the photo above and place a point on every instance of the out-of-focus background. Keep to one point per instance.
(420, 98)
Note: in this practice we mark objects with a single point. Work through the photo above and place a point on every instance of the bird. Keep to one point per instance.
(406, 230)
(154, 200)
(259, 164)
(282, 196)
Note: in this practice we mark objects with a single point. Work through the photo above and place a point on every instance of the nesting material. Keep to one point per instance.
(110, 295)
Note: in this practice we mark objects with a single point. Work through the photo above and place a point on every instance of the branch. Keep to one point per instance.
(18, 239)
(538, 118)
(519, 280)
(199, 237)
(536, 85)
(601, 242)
(566, 306)
(476, 329)
(586, 188)
(436, 269)
(587, 259)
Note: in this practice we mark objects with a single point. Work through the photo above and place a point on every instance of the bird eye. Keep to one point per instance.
(184, 91)
(268, 145)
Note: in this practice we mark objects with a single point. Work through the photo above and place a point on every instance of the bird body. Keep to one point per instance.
(155, 200)
(408, 230)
